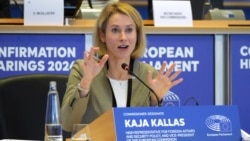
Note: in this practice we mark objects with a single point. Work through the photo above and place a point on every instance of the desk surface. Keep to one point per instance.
(86, 26)
(234, 3)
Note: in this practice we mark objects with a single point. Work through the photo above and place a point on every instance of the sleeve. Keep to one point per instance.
(73, 107)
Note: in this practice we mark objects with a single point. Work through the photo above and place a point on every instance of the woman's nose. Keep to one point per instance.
(123, 36)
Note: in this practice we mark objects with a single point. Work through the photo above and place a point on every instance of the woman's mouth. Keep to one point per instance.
(123, 46)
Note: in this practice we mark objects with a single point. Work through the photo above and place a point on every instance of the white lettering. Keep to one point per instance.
(32, 65)
(167, 122)
(37, 52)
(185, 66)
(10, 65)
(244, 63)
(136, 123)
(169, 52)
(245, 51)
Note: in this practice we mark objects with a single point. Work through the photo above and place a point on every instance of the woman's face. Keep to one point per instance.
(120, 36)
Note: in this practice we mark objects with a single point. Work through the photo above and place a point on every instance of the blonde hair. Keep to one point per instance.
(102, 21)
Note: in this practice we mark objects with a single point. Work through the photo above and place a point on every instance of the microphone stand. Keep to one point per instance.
(90, 4)
(131, 73)
(191, 98)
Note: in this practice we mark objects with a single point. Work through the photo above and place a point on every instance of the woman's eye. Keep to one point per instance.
(129, 30)
(114, 30)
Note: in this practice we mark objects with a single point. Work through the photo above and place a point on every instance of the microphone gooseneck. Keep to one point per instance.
(125, 67)
(191, 98)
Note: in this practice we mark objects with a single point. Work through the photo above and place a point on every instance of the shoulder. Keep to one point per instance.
(78, 62)
(77, 65)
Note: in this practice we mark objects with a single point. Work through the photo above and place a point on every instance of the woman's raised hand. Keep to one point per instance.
(92, 65)
(164, 81)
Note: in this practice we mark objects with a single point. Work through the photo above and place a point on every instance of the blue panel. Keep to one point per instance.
(194, 55)
(240, 48)
(39, 54)
(190, 123)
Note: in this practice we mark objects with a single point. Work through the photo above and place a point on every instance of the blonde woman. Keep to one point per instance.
(97, 85)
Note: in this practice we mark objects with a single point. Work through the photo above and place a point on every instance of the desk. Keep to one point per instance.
(227, 3)
(6, 21)
(86, 26)
(218, 88)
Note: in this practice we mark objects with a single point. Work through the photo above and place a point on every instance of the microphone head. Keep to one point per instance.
(124, 66)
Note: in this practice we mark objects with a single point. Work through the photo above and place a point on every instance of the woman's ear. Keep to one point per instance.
(102, 36)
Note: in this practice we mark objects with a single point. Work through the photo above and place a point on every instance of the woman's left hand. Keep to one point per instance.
(164, 81)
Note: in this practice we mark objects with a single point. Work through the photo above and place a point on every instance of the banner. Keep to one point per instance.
(38, 53)
(240, 68)
(189, 123)
(54, 54)
(194, 55)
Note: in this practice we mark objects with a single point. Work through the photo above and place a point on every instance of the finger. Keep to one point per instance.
(173, 76)
(163, 66)
(176, 82)
(92, 53)
(85, 57)
(103, 60)
(170, 70)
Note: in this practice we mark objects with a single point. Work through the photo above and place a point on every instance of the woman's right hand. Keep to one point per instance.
(91, 67)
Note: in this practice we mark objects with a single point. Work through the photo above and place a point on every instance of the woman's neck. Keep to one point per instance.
(115, 71)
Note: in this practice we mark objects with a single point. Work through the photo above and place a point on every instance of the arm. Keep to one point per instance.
(75, 101)
(73, 107)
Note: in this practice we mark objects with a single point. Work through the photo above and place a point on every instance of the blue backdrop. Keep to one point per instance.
(38, 53)
(54, 54)
(195, 59)
(240, 54)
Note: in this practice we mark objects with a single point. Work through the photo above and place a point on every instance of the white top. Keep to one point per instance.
(120, 89)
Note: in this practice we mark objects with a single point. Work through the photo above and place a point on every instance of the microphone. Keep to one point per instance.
(125, 67)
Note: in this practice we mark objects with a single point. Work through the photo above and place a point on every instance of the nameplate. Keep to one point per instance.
(43, 12)
(172, 13)
(187, 123)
